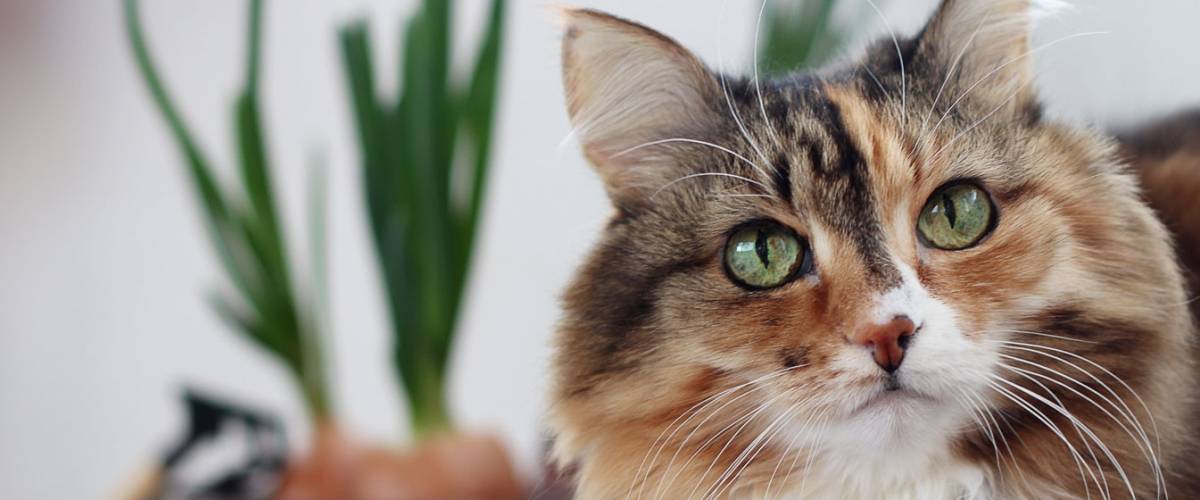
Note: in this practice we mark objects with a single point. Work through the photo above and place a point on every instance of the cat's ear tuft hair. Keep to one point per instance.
(982, 49)
(627, 86)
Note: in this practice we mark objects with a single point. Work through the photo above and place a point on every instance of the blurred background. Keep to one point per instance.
(104, 264)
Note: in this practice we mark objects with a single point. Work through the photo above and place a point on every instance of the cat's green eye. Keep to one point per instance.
(764, 255)
(956, 217)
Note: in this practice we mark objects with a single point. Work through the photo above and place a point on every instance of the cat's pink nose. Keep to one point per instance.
(887, 341)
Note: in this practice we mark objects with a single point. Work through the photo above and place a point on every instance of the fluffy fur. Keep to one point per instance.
(1054, 359)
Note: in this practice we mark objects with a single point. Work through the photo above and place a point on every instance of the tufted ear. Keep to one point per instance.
(983, 47)
(626, 86)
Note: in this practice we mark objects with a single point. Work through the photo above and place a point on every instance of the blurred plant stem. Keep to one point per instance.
(424, 161)
(244, 226)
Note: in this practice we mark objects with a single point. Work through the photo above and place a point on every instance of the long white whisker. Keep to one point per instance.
(690, 413)
(705, 174)
(1142, 441)
(1075, 424)
(733, 109)
(744, 421)
(953, 67)
(747, 456)
(753, 389)
(1041, 417)
(1124, 408)
(1106, 371)
(812, 419)
(689, 141)
(762, 108)
(1083, 427)
(899, 57)
(1005, 65)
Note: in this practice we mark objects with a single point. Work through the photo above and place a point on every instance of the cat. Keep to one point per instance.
(887, 279)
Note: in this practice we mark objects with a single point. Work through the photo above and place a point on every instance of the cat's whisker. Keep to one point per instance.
(811, 456)
(937, 154)
(744, 421)
(1035, 349)
(1039, 334)
(690, 414)
(1006, 64)
(762, 108)
(949, 73)
(747, 456)
(813, 418)
(1054, 429)
(1082, 426)
(1075, 424)
(1141, 441)
(733, 109)
(705, 174)
(899, 58)
(974, 412)
(992, 422)
(740, 195)
(1125, 410)
(753, 388)
(688, 141)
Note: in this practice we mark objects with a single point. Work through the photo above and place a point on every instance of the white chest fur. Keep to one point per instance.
(895, 479)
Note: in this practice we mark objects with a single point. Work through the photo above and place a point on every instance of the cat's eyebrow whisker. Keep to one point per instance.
(937, 154)
(706, 174)
(953, 67)
(1005, 65)
(717, 196)
(899, 58)
(729, 102)
(757, 85)
(688, 141)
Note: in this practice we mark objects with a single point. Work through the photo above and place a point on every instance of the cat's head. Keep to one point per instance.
(859, 262)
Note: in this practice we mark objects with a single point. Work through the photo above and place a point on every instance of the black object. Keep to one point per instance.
(258, 477)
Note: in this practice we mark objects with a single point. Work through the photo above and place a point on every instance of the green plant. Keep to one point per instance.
(799, 34)
(424, 160)
(244, 226)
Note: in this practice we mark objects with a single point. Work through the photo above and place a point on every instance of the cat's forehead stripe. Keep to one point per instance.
(841, 184)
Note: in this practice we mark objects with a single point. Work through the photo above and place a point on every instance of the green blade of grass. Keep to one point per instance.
(478, 114)
(422, 167)
(246, 233)
(216, 211)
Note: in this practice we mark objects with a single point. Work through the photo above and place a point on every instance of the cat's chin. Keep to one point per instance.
(891, 401)
(894, 417)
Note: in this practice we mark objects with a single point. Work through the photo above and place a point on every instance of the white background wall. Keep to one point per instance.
(104, 267)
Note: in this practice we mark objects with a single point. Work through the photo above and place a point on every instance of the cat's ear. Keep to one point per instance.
(628, 86)
(981, 48)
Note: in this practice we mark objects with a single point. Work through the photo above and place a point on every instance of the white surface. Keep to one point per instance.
(104, 267)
